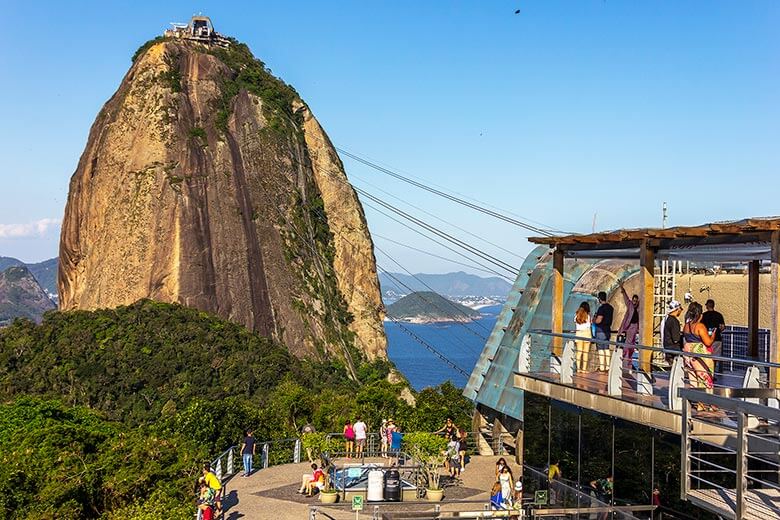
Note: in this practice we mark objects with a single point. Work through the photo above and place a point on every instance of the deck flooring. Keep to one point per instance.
(761, 504)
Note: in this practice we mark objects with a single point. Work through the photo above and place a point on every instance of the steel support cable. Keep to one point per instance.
(473, 235)
(481, 209)
(397, 281)
(446, 236)
(434, 255)
(368, 299)
(485, 268)
(452, 304)
(466, 349)
(346, 182)
(544, 229)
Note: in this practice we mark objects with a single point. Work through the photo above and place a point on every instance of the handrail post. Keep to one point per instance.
(676, 381)
(265, 455)
(742, 463)
(685, 448)
(615, 374)
(567, 363)
(297, 451)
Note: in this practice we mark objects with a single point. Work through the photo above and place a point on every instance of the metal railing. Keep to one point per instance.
(536, 356)
(271, 453)
(744, 471)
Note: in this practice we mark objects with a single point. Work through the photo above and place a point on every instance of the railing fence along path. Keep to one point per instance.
(289, 451)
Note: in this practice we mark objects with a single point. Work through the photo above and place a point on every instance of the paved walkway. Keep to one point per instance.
(272, 493)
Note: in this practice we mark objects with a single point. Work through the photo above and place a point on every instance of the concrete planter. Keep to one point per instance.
(329, 497)
(434, 495)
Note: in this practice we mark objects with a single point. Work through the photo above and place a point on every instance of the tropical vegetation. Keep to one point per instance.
(108, 413)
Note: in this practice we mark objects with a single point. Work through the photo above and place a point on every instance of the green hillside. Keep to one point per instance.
(45, 272)
(429, 306)
(21, 296)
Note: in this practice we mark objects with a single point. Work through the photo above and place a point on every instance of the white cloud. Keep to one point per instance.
(30, 229)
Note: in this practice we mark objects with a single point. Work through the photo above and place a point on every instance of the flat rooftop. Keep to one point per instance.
(737, 240)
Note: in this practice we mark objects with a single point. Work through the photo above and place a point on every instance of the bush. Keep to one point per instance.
(430, 451)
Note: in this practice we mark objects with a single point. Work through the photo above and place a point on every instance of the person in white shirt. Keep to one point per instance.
(582, 325)
(360, 435)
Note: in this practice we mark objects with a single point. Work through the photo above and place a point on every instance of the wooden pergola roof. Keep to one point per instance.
(750, 230)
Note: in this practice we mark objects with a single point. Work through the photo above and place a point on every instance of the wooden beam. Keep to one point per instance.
(774, 331)
(753, 308)
(646, 303)
(556, 313)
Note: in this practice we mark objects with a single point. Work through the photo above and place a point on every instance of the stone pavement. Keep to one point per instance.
(271, 494)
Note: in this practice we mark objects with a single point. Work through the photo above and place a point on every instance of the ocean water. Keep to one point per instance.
(461, 346)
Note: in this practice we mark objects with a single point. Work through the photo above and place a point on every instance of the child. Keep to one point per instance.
(496, 499)
(206, 497)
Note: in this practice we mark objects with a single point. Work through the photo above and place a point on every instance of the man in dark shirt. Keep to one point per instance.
(672, 338)
(603, 322)
(248, 451)
(712, 319)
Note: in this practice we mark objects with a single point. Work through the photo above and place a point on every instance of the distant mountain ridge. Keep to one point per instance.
(21, 296)
(44, 272)
(429, 307)
(449, 284)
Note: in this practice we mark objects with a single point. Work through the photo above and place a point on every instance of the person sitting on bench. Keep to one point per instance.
(311, 482)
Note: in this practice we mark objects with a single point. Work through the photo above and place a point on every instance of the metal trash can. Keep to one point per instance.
(392, 485)
(375, 491)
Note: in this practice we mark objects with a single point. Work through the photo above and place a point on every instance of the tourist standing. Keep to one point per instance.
(383, 438)
(307, 429)
(360, 436)
(714, 321)
(507, 482)
(698, 341)
(248, 451)
(671, 336)
(603, 322)
(582, 325)
(349, 438)
(453, 455)
(462, 447)
(630, 325)
(448, 429)
(500, 465)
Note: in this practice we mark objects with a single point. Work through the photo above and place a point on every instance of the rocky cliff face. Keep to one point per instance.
(21, 296)
(207, 181)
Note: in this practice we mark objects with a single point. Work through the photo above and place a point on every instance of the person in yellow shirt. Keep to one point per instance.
(213, 482)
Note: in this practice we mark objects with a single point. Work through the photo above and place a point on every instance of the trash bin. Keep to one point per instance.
(375, 491)
(392, 485)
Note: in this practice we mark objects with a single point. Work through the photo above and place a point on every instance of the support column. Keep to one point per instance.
(774, 331)
(519, 447)
(753, 308)
(556, 313)
(646, 303)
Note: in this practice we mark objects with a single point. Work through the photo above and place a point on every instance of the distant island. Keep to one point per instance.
(468, 289)
(429, 307)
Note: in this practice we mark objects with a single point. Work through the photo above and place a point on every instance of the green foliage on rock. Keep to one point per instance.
(252, 75)
(145, 47)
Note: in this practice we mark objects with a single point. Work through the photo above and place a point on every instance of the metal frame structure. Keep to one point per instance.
(745, 406)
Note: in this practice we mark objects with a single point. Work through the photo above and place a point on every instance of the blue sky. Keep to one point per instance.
(562, 111)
